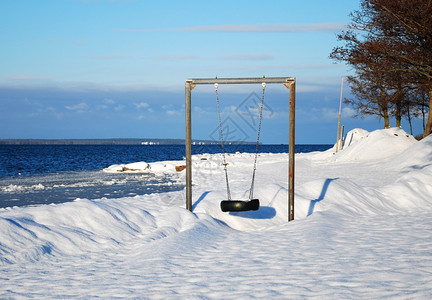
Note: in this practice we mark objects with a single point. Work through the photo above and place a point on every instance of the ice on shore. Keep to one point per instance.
(363, 219)
(143, 167)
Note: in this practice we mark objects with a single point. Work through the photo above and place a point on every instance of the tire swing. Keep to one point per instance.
(239, 205)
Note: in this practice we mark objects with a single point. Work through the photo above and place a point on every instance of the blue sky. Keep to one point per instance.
(107, 68)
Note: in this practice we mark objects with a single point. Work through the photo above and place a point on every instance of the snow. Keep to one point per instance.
(384, 142)
(143, 167)
(362, 229)
(12, 188)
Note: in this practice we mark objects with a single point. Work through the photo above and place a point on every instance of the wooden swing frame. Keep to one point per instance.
(289, 82)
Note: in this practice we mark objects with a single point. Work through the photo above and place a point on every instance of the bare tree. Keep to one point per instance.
(376, 90)
(407, 24)
(370, 97)
(390, 41)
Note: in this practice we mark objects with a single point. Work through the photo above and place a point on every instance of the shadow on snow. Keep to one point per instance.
(321, 196)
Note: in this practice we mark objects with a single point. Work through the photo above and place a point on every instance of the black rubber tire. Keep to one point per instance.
(239, 205)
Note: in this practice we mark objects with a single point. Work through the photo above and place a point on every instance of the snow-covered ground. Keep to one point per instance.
(362, 229)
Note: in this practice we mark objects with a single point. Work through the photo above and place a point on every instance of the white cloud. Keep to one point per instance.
(101, 107)
(109, 101)
(172, 112)
(141, 105)
(321, 114)
(328, 114)
(169, 110)
(199, 110)
(58, 116)
(348, 112)
(80, 107)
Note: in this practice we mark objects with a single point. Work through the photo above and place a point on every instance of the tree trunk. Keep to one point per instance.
(399, 98)
(409, 120)
(384, 107)
(386, 118)
(428, 127)
(398, 115)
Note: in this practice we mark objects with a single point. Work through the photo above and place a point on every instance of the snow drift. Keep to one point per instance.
(362, 222)
(380, 144)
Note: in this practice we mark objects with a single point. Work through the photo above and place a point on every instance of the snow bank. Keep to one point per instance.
(353, 136)
(143, 167)
(84, 226)
(380, 144)
(137, 167)
(362, 222)
(413, 187)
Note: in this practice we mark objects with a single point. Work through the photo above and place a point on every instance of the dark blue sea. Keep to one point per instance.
(44, 174)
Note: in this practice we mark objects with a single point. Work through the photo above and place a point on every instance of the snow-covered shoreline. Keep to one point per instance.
(362, 230)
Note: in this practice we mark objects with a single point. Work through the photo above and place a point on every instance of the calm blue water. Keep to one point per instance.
(45, 159)
(43, 174)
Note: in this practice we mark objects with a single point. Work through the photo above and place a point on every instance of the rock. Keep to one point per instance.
(125, 169)
(180, 168)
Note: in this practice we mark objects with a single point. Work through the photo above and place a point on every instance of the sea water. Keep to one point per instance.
(44, 174)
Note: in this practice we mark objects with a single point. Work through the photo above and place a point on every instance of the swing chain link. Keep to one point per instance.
(222, 143)
(257, 143)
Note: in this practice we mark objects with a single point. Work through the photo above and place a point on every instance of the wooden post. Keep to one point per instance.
(291, 152)
(188, 142)
(339, 118)
(341, 137)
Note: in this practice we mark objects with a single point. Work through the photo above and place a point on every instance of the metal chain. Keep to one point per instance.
(222, 143)
(257, 143)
